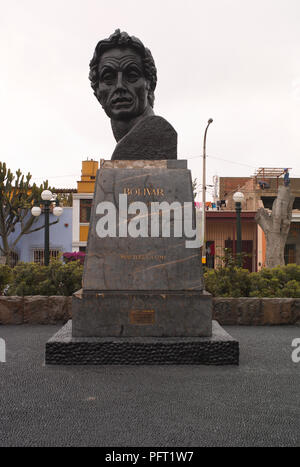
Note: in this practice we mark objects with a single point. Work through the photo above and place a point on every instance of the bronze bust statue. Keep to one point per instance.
(123, 77)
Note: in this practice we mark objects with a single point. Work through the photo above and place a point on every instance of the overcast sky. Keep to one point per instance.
(236, 61)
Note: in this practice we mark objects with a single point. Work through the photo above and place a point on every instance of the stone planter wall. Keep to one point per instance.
(256, 311)
(231, 311)
(35, 309)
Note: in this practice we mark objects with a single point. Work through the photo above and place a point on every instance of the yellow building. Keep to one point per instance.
(82, 203)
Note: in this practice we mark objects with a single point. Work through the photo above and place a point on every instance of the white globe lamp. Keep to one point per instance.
(36, 211)
(238, 197)
(57, 211)
(46, 195)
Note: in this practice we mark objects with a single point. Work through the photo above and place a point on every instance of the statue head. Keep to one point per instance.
(123, 76)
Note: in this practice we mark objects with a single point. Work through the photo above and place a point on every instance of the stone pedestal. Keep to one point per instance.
(143, 263)
(142, 292)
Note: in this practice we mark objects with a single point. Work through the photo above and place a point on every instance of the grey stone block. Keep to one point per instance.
(104, 314)
(176, 164)
(143, 263)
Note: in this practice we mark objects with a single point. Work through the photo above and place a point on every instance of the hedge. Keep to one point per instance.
(279, 282)
(55, 279)
(228, 281)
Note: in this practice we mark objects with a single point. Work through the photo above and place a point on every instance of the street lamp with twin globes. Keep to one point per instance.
(238, 198)
(48, 198)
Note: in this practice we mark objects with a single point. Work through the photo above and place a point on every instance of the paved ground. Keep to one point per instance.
(256, 403)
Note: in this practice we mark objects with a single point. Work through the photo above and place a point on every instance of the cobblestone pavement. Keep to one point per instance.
(256, 403)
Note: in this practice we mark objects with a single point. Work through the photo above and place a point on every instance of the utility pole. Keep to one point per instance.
(204, 192)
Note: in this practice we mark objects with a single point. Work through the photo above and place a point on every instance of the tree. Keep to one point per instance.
(17, 197)
(276, 226)
(65, 199)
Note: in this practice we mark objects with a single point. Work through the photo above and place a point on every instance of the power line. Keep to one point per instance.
(56, 176)
(225, 160)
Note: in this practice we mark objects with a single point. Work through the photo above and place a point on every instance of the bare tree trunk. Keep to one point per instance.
(276, 226)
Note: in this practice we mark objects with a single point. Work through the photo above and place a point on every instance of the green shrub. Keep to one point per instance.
(55, 279)
(227, 282)
(262, 286)
(5, 276)
(65, 278)
(27, 278)
(282, 281)
(291, 289)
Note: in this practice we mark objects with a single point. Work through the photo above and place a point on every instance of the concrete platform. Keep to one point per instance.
(254, 404)
(219, 349)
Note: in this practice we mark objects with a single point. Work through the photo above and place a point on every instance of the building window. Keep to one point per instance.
(82, 249)
(290, 254)
(85, 210)
(294, 230)
(38, 255)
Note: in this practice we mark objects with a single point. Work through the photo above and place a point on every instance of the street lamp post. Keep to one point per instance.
(238, 198)
(204, 192)
(47, 199)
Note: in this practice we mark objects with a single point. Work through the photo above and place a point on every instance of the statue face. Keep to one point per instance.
(123, 88)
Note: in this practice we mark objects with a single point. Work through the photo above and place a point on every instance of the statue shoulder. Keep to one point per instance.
(153, 137)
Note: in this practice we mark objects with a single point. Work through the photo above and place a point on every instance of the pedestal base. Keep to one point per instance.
(141, 314)
(219, 349)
